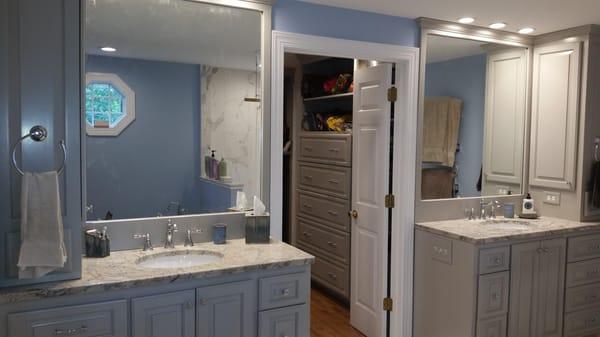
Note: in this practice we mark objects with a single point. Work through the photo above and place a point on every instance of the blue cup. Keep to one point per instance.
(509, 210)
(220, 234)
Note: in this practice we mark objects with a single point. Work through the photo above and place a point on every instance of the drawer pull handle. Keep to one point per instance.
(334, 213)
(497, 260)
(307, 206)
(285, 292)
(594, 247)
(594, 272)
(333, 181)
(496, 296)
(591, 321)
(332, 276)
(591, 298)
(189, 305)
(333, 149)
(332, 244)
(202, 301)
(308, 148)
(70, 332)
(308, 177)
(306, 234)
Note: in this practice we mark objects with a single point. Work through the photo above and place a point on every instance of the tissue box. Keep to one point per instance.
(258, 228)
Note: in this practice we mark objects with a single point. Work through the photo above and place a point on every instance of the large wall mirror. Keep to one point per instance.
(174, 107)
(473, 120)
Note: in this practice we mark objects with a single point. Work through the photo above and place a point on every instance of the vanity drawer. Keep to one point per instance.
(582, 323)
(583, 272)
(318, 207)
(493, 294)
(327, 149)
(493, 260)
(335, 243)
(582, 297)
(329, 274)
(284, 322)
(283, 291)
(583, 248)
(493, 327)
(108, 319)
(330, 180)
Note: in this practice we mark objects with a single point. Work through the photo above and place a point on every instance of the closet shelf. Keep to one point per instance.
(329, 97)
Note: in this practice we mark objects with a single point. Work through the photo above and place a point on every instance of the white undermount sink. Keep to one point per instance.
(179, 259)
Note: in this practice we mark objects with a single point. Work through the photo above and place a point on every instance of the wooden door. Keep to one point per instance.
(370, 177)
(226, 310)
(40, 85)
(551, 288)
(167, 315)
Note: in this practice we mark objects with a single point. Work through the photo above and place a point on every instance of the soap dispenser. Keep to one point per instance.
(214, 166)
(528, 210)
(222, 168)
(207, 164)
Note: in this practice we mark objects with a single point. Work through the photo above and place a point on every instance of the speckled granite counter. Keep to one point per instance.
(500, 229)
(120, 271)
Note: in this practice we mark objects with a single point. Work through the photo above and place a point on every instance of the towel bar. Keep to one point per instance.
(37, 133)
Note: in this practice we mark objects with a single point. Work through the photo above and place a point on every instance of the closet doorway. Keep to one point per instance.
(337, 115)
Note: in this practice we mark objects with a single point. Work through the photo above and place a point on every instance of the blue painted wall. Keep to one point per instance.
(306, 18)
(156, 159)
(463, 78)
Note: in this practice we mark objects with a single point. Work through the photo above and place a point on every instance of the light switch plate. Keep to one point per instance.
(552, 198)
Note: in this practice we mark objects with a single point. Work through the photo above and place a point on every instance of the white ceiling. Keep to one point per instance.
(174, 31)
(544, 15)
(441, 48)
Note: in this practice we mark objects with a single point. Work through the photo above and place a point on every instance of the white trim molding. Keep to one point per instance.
(129, 97)
(405, 134)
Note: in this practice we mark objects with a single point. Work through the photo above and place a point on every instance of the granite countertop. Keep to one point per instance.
(494, 230)
(120, 271)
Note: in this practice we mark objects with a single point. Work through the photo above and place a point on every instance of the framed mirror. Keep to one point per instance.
(174, 106)
(473, 116)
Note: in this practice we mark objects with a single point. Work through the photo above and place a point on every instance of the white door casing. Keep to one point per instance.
(370, 184)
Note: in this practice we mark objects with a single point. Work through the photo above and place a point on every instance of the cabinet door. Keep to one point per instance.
(285, 322)
(167, 315)
(40, 85)
(554, 114)
(551, 288)
(227, 310)
(524, 278)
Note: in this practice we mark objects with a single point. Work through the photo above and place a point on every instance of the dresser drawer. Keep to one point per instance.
(326, 149)
(583, 272)
(108, 319)
(493, 260)
(282, 291)
(332, 275)
(330, 241)
(582, 323)
(493, 294)
(324, 208)
(583, 248)
(492, 327)
(582, 297)
(284, 322)
(330, 180)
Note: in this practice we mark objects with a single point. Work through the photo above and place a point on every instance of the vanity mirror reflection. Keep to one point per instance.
(473, 117)
(173, 107)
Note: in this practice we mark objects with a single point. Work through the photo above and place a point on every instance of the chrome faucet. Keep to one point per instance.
(147, 242)
(188, 237)
(171, 228)
(492, 204)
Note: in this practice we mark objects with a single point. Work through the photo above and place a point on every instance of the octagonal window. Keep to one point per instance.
(109, 104)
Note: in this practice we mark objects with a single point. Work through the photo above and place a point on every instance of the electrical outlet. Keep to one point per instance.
(502, 190)
(552, 198)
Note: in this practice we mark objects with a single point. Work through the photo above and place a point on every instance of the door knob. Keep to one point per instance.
(354, 214)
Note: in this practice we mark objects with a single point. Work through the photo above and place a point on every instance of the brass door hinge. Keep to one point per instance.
(388, 304)
(389, 201)
(392, 94)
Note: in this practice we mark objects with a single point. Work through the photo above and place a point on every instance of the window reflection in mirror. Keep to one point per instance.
(185, 136)
(473, 118)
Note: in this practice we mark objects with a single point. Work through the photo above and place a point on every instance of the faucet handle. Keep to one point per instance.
(147, 242)
(172, 226)
(188, 236)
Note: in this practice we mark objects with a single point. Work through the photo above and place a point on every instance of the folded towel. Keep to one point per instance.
(596, 185)
(42, 238)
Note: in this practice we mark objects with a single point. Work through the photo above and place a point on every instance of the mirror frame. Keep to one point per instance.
(264, 7)
(425, 208)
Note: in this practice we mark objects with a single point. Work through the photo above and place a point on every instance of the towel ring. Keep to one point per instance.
(37, 133)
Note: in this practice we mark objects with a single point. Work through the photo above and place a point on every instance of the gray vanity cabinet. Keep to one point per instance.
(226, 310)
(164, 315)
(537, 289)
(284, 322)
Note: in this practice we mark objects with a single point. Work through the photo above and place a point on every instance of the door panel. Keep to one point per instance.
(370, 176)
(168, 315)
(523, 288)
(551, 288)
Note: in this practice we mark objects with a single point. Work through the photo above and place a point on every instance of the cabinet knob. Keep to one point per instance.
(202, 301)
(189, 305)
(285, 292)
(70, 332)
(332, 244)
(354, 214)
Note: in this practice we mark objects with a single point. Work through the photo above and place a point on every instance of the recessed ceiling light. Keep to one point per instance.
(526, 30)
(108, 49)
(466, 20)
(497, 25)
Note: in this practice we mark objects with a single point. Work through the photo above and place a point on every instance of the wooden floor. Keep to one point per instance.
(328, 318)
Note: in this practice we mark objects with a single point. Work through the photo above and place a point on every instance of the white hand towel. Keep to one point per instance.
(42, 238)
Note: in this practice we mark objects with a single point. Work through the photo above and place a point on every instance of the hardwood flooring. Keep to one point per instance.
(329, 318)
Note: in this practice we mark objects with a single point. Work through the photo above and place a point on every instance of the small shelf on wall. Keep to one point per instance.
(329, 97)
